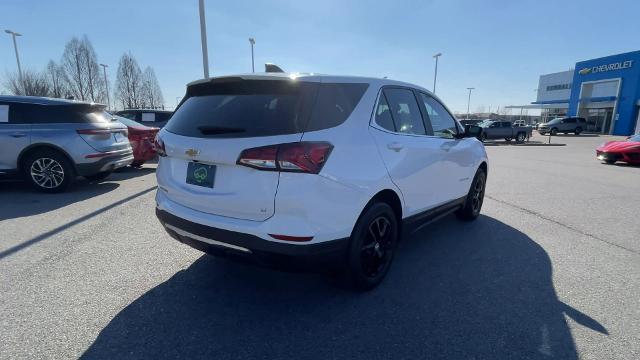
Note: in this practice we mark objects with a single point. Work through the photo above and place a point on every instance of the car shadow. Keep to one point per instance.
(19, 199)
(479, 290)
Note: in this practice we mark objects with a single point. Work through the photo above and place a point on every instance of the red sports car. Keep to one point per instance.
(141, 138)
(627, 151)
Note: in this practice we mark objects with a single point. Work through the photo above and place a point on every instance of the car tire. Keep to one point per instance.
(473, 202)
(610, 162)
(98, 176)
(372, 246)
(136, 164)
(520, 137)
(507, 139)
(483, 137)
(553, 132)
(48, 171)
(578, 131)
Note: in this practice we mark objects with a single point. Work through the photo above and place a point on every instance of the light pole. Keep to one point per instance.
(252, 41)
(203, 38)
(15, 47)
(106, 84)
(469, 101)
(435, 76)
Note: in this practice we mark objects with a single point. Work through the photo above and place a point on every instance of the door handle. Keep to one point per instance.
(17, 135)
(395, 146)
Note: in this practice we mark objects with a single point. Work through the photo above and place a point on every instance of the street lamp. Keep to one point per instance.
(106, 84)
(203, 38)
(435, 76)
(15, 47)
(252, 41)
(469, 100)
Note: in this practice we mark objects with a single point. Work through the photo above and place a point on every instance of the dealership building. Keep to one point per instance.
(605, 91)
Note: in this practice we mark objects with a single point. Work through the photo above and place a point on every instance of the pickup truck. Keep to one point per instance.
(494, 129)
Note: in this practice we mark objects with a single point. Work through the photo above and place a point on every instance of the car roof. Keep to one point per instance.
(39, 100)
(310, 77)
(144, 110)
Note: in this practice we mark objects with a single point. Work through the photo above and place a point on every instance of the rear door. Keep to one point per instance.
(209, 131)
(413, 159)
(15, 135)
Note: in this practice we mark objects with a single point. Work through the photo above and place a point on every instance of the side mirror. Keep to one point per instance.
(472, 131)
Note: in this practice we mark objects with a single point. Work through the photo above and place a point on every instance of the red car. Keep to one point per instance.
(627, 151)
(141, 138)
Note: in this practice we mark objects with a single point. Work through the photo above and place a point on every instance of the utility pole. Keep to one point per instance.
(203, 38)
(15, 48)
(252, 41)
(435, 75)
(469, 101)
(106, 84)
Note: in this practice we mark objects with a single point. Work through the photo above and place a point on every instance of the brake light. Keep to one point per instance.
(158, 145)
(306, 157)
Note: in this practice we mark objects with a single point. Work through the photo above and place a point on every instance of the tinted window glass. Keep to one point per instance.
(57, 114)
(570, 121)
(243, 108)
(128, 115)
(404, 111)
(383, 114)
(442, 123)
(334, 104)
(506, 124)
(163, 116)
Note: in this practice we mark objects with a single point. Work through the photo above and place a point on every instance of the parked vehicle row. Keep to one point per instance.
(319, 171)
(49, 142)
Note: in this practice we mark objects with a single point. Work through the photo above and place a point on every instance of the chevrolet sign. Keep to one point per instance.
(608, 67)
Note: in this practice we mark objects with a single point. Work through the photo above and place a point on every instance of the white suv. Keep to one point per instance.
(313, 170)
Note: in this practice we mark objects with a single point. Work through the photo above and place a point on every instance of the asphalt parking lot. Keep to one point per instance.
(550, 270)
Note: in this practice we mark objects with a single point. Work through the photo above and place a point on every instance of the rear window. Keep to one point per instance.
(57, 114)
(254, 108)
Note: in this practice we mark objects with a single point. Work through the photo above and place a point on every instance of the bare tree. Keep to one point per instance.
(57, 78)
(129, 82)
(33, 84)
(80, 63)
(151, 92)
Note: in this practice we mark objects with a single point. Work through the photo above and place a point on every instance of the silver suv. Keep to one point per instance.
(564, 125)
(51, 141)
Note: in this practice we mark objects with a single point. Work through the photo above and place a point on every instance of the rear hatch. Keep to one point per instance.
(99, 129)
(221, 119)
(213, 125)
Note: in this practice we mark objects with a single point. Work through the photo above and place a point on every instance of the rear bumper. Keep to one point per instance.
(251, 248)
(108, 163)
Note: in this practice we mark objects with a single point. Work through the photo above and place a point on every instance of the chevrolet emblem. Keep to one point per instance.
(192, 152)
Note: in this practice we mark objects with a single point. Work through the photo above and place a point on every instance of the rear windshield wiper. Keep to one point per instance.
(214, 130)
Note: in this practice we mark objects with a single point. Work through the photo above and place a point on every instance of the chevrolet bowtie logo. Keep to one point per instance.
(192, 152)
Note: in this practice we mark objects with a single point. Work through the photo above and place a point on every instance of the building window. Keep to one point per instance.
(558, 87)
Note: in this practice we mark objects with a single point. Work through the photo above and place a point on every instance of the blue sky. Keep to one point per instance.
(499, 47)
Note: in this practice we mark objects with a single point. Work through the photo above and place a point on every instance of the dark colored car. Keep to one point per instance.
(503, 130)
(141, 138)
(627, 151)
(564, 125)
(148, 117)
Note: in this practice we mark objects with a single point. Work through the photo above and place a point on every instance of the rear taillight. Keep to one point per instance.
(306, 157)
(158, 146)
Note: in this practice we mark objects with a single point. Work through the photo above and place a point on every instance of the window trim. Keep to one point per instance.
(374, 124)
(459, 127)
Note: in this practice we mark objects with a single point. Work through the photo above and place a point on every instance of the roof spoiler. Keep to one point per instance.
(272, 68)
